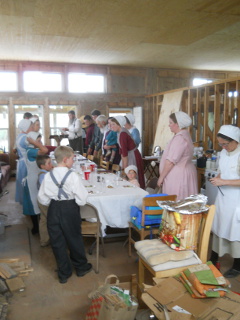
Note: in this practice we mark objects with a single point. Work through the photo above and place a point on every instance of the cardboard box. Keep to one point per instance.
(172, 293)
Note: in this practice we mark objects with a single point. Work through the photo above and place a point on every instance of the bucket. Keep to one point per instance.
(2, 224)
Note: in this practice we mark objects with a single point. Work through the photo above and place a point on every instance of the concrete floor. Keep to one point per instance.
(44, 297)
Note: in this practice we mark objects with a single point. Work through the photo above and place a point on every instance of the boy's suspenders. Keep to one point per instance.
(60, 186)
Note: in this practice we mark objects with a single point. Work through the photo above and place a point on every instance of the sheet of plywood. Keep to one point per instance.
(171, 103)
(14, 244)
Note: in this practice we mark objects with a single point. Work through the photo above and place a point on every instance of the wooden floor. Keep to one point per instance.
(44, 297)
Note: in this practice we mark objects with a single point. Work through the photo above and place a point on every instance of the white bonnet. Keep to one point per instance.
(24, 125)
(231, 132)
(121, 120)
(183, 119)
(33, 135)
(34, 119)
(131, 167)
(131, 118)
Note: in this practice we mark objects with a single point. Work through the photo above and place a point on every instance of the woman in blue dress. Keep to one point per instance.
(130, 120)
(30, 205)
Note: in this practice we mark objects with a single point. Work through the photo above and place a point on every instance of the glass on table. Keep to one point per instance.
(87, 174)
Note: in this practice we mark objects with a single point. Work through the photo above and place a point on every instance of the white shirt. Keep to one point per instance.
(74, 129)
(73, 187)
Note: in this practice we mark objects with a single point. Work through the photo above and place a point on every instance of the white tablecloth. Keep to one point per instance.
(113, 199)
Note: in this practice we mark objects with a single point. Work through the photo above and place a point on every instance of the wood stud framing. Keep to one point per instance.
(210, 104)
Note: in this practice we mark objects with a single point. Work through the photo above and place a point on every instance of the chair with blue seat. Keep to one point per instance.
(143, 226)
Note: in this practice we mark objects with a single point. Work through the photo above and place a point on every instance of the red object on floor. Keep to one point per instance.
(217, 265)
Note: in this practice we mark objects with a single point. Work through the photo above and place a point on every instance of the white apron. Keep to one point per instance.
(131, 154)
(21, 167)
(32, 178)
(226, 223)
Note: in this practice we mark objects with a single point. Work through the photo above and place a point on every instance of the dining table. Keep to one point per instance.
(112, 195)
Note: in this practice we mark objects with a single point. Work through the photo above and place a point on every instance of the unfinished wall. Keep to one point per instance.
(125, 88)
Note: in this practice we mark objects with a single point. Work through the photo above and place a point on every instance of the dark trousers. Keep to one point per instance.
(76, 144)
(64, 228)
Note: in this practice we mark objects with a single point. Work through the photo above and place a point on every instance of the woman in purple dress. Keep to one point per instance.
(127, 148)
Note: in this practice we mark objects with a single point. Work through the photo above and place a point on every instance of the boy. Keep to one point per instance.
(44, 163)
(63, 190)
(131, 172)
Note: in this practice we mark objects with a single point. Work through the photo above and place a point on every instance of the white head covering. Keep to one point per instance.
(33, 135)
(231, 132)
(183, 119)
(34, 119)
(131, 118)
(24, 125)
(121, 120)
(131, 167)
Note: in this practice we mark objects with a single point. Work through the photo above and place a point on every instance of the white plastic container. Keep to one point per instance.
(208, 163)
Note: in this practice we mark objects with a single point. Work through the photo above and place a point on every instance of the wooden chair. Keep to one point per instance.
(90, 157)
(115, 168)
(143, 232)
(84, 155)
(104, 164)
(92, 229)
(201, 251)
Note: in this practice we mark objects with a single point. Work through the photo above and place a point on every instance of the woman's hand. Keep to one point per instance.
(106, 147)
(217, 182)
(160, 182)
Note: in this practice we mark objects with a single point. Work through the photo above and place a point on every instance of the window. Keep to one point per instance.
(8, 81)
(80, 83)
(200, 81)
(36, 81)
(4, 144)
(232, 94)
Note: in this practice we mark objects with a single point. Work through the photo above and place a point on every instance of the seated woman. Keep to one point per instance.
(131, 172)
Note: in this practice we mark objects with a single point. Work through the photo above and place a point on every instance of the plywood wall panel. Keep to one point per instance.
(171, 103)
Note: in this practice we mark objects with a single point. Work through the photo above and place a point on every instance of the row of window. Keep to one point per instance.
(36, 81)
(58, 118)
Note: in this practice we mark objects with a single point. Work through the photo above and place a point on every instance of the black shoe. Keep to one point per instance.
(82, 273)
(63, 280)
(34, 231)
(231, 273)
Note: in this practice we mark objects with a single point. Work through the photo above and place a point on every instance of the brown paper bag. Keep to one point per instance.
(105, 305)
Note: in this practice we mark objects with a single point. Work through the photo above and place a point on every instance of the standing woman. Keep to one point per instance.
(30, 206)
(74, 131)
(35, 123)
(178, 175)
(130, 120)
(24, 126)
(127, 148)
(226, 223)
